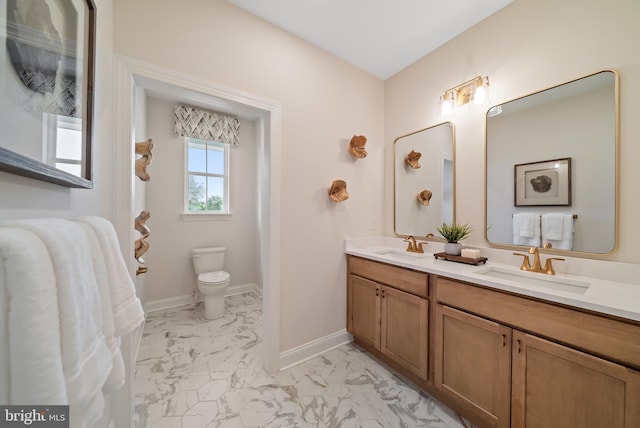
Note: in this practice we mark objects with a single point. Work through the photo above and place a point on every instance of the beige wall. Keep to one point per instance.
(527, 46)
(325, 101)
(169, 257)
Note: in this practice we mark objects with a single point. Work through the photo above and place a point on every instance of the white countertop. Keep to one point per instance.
(610, 291)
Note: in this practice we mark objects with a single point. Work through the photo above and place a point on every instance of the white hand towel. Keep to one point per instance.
(30, 356)
(565, 240)
(526, 229)
(86, 358)
(127, 310)
(525, 224)
(116, 377)
(552, 226)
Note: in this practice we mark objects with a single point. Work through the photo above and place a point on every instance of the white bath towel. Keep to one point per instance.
(117, 376)
(557, 230)
(30, 356)
(526, 229)
(552, 226)
(127, 309)
(86, 358)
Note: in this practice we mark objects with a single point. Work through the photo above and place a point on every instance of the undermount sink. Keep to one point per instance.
(401, 254)
(538, 280)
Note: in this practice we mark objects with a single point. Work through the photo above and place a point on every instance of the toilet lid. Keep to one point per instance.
(213, 277)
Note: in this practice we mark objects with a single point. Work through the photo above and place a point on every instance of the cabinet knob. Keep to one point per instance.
(504, 340)
(518, 348)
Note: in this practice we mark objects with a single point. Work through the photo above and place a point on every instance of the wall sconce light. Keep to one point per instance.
(474, 91)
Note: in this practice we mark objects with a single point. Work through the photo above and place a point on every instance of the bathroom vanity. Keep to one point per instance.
(499, 351)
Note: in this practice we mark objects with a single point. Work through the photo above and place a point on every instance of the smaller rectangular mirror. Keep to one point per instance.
(46, 89)
(424, 189)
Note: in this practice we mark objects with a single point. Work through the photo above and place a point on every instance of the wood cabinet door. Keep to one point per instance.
(405, 330)
(364, 311)
(473, 365)
(559, 387)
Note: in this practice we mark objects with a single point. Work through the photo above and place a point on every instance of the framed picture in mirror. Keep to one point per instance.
(545, 183)
(46, 91)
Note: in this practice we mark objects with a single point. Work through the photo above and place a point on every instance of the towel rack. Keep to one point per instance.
(575, 216)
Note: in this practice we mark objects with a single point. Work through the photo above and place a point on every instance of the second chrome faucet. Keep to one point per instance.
(537, 266)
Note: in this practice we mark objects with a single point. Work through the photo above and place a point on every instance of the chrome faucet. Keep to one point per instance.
(537, 266)
(413, 247)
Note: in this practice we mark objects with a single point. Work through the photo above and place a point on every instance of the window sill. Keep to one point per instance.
(205, 217)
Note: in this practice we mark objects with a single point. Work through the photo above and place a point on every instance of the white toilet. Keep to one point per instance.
(212, 280)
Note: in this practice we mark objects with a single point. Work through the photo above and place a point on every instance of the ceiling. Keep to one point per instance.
(379, 36)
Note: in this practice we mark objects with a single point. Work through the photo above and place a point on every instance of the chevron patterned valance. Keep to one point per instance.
(193, 122)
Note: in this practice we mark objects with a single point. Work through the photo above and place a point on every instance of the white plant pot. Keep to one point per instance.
(453, 249)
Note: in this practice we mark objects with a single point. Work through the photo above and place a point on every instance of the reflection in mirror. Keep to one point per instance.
(576, 209)
(424, 195)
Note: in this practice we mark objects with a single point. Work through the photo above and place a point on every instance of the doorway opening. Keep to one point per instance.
(134, 78)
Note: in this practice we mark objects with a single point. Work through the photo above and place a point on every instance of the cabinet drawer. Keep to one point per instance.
(403, 279)
(610, 338)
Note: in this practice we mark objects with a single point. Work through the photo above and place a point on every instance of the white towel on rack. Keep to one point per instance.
(86, 358)
(526, 229)
(552, 226)
(30, 355)
(127, 309)
(557, 230)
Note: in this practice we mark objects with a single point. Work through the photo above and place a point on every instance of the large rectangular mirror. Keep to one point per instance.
(552, 167)
(424, 180)
(46, 89)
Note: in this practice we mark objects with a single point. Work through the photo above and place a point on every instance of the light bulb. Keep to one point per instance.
(480, 95)
(447, 107)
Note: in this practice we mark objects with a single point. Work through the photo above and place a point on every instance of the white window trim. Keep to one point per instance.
(224, 215)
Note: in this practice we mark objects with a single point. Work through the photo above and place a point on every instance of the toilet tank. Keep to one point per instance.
(208, 259)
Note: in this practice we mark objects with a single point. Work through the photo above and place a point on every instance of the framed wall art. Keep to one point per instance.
(46, 89)
(544, 183)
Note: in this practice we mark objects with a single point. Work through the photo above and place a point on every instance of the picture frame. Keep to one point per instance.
(47, 61)
(543, 183)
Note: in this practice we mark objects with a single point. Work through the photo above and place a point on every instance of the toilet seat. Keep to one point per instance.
(213, 278)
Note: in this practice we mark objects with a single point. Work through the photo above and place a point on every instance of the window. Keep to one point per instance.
(63, 142)
(207, 187)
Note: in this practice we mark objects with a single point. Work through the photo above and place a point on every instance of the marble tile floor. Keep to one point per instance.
(193, 373)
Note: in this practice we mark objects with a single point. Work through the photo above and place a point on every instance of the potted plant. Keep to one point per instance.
(453, 233)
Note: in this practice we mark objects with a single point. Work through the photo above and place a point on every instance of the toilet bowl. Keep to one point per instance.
(212, 280)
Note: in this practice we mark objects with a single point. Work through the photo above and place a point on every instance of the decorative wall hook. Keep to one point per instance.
(424, 197)
(338, 191)
(144, 149)
(141, 167)
(412, 159)
(356, 146)
(141, 245)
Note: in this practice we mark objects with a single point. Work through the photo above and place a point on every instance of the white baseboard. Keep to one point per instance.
(243, 288)
(170, 302)
(305, 352)
(188, 299)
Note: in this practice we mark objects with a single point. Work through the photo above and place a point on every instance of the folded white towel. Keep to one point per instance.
(86, 358)
(564, 240)
(127, 309)
(525, 224)
(552, 226)
(30, 357)
(526, 229)
(116, 377)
